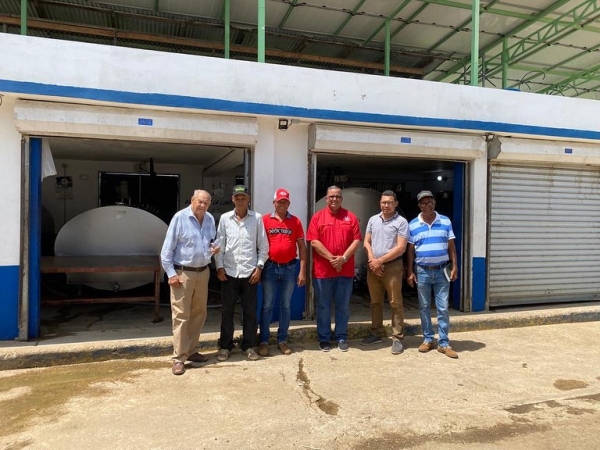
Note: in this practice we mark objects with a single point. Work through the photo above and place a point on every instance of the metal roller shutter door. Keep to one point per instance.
(544, 239)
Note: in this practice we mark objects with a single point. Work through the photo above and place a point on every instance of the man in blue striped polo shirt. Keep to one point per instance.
(431, 260)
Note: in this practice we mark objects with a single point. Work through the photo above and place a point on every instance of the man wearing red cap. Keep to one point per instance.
(286, 238)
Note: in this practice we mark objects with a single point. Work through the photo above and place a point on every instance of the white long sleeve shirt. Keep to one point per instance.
(244, 244)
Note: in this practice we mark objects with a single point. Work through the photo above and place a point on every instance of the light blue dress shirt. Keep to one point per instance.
(187, 240)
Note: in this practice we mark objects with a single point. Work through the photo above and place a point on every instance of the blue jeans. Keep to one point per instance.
(337, 290)
(276, 279)
(426, 281)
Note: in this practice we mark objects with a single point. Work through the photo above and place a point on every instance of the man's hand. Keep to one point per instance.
(337, 262)
(411, 279)
(375, 264)
(301, 279)
(255, 277)
(174, 281)
(221, 275)
(454, 273)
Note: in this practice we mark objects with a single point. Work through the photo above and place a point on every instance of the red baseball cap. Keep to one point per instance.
(282, 194)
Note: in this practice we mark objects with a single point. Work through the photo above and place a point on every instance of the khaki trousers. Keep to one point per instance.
(390, 283)
(188, 311)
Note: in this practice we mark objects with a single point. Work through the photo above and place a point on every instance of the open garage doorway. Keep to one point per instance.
(364, 178)
(114, 197)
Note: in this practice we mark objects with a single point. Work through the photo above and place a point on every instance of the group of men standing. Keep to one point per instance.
(249, 248)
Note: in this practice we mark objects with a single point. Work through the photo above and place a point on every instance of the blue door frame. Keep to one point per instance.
(35, 236)
(457, 225)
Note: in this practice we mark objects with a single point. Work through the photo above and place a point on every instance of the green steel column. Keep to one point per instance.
(24, 17)
(504, 59)
(227, 27)
(261, 30)
(475, 44)
(387, 48)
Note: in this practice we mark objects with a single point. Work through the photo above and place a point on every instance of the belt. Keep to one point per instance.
(289, 263)
(190, 269)
(399, 258)
(439, 266)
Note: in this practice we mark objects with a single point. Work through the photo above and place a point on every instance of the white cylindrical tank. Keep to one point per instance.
(364, 203)
(114, 231)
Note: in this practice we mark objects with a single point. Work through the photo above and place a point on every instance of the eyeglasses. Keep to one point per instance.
(429, 203)
(334, 197)
(386, 203)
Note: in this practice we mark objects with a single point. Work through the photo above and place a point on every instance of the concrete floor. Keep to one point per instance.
(535, 388)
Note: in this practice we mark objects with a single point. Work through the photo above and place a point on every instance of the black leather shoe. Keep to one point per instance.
(197, 357)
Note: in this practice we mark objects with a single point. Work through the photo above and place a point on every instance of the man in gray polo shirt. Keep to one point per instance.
(385, 242)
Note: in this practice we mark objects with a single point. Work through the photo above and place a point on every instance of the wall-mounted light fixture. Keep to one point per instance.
(283, 124)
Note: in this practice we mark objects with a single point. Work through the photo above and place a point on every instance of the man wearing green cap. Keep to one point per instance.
(244, 251)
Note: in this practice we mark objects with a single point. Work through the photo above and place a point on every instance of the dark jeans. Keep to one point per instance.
(231, 290)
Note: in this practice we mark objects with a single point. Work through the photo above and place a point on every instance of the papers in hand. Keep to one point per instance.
(447, 272)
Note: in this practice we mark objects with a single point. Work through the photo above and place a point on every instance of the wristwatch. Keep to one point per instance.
(260, 266)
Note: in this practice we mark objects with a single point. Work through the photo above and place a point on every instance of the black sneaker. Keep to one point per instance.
(370, 340)
(324, 346)
(343, 346)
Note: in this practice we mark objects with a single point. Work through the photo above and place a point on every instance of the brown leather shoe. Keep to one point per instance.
(425, 347)
(178, 368)
(197, 358)
(284, 348)
(448, 351)
(263, 350)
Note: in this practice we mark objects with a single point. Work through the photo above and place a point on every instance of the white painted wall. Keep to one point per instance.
(53, 68)
(85, 186)
(10, 186)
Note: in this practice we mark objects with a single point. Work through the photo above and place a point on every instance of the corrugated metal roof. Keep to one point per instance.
(552, 44)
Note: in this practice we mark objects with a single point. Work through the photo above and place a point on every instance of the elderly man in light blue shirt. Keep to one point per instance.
(239, 266)
(185, 257)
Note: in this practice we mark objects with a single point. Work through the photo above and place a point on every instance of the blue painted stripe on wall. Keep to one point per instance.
(181, 101)
(479, 284)
(9, 302)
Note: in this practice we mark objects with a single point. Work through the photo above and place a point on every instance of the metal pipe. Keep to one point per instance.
(24, 17)
(261, 30)
(475, 43)
(504, 59)
(227, 43)
(387, 48)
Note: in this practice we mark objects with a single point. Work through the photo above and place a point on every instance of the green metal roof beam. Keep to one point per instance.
(457, 29)
(511, 33)
(287, 14)
(388, 47)
(24, 17)
(412, 17)
(475, 44)
(585, 76)
(550, 33)
(566, 61)
(350, 16)
(587, 90)
(227, 13)
(390, 17)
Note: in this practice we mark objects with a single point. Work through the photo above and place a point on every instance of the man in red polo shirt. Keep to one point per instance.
(334, 236)
(285, 235)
